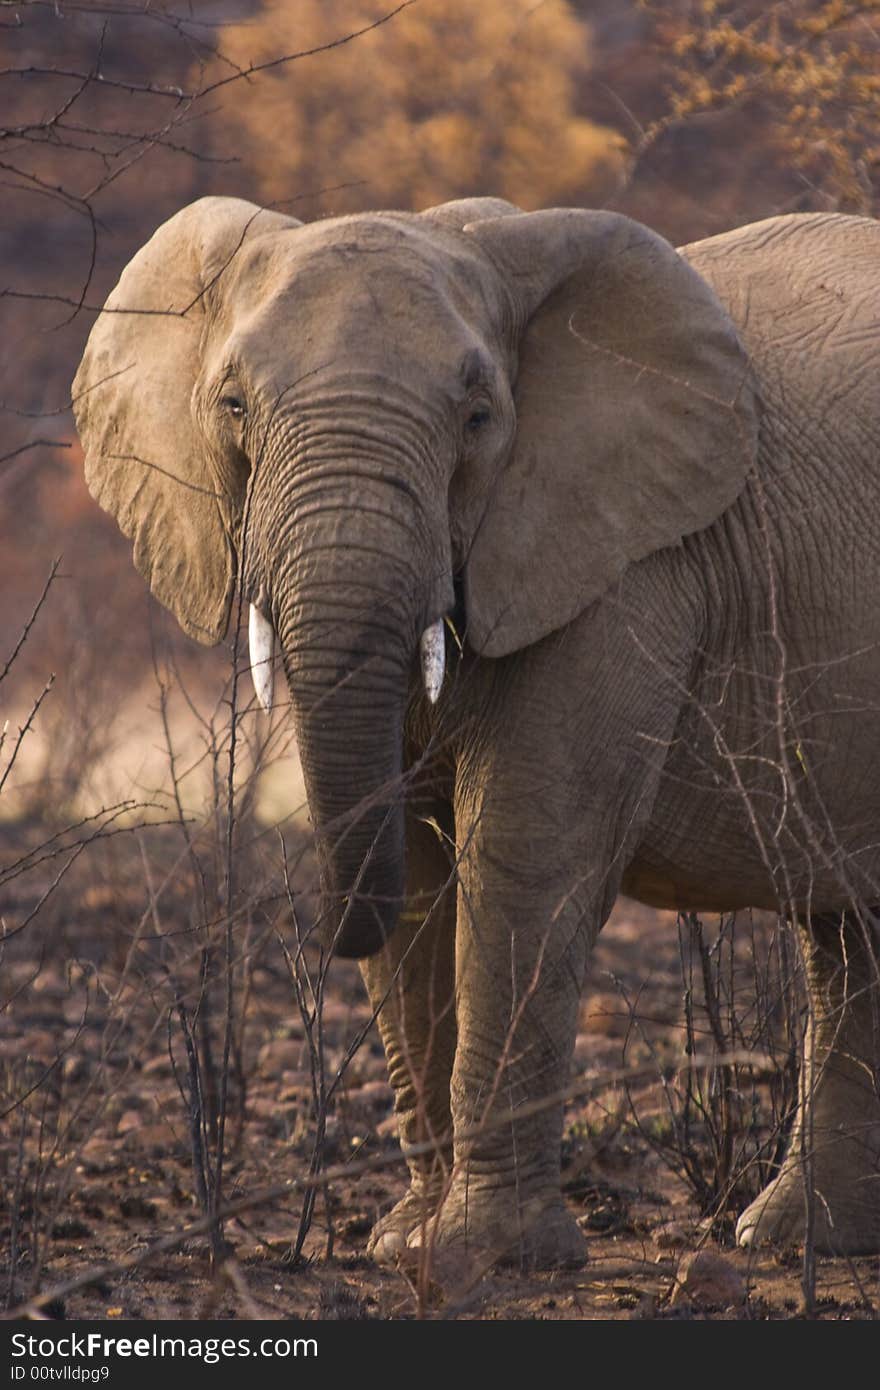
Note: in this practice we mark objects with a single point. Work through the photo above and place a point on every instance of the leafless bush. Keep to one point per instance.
(724, 1126)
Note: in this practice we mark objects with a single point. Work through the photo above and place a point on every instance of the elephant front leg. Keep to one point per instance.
(520, 956)
(411, 983)
(835, 1143)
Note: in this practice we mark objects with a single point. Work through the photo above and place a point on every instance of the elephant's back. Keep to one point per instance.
(804, 293)
(806, 263)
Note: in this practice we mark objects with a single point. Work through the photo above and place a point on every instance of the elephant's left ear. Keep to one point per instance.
(636, 419)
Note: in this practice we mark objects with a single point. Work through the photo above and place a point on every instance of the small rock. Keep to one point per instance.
(38, 1047)
(50, 982)
(376, 1094)
(281, 1054)
(605, 1015)
(295, 1085)
(708, 1281)
(73, 1008)
(295, 1099)
(99, 895)
(361, 1224)
(75, 1068)
(71, 1228)
(266, 1108)
(341, 1011)
(278, 1238)
(158, 1065)
(673, 1235)
(133, 1206)
(158, 1140)
(99, 1155)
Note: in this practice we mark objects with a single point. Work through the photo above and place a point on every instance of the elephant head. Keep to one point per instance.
(347, 416)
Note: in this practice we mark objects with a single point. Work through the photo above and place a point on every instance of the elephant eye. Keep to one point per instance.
(235, 405)
(477, 419)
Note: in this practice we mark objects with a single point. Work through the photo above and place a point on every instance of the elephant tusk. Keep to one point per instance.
(261, 641)
(433, 654)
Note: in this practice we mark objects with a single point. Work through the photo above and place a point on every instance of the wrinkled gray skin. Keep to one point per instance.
(646, 484)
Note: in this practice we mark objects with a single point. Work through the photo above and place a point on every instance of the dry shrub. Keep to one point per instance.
(729, 1122)
(445, 100)
(811, 66)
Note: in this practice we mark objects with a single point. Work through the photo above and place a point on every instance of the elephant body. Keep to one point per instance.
(638, 490)
(783, 676)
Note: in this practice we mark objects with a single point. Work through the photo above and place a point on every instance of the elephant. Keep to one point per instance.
(568, 545)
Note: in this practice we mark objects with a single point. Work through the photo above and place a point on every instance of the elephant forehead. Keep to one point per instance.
(383, 321)
(409, 339)
(389, 264)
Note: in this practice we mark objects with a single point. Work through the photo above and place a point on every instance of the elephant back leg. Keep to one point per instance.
(411, 985)
(834, 1151)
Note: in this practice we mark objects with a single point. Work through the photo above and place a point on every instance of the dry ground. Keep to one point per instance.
(96, 1142)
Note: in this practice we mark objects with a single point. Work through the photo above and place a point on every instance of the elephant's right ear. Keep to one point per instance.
(636, 419)
(132, 398)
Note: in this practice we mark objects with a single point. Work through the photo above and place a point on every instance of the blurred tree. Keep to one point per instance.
(810, 68)
(447, 99)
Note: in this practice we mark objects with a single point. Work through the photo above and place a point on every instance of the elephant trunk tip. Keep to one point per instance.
(363, 924)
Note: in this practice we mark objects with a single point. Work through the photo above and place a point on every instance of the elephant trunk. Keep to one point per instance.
(349, 604)
(350, 739)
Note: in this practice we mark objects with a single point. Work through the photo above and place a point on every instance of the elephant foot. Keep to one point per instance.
(497, 1228)
(388, 1238)
(841, 1226)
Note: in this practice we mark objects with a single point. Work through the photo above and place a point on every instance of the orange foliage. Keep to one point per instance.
(811, 66)
(448, 98)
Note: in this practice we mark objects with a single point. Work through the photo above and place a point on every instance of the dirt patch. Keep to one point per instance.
(97, 1140)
